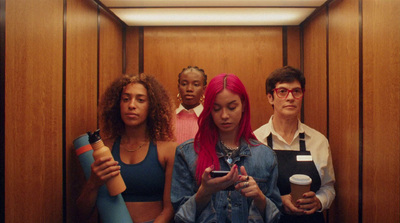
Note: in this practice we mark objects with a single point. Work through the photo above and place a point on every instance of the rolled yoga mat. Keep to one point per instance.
(112, 209)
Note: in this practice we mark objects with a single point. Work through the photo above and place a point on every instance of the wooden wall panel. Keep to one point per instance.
(315, 103)
(132, 50)
(81, 91)
(293, 46)
(110, 52)
(344, 107)
(33, 110)
(249, 52)
(381, 156)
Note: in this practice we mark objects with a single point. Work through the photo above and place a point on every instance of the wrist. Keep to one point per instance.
(202, 195)
(202, 199)
(260, 200)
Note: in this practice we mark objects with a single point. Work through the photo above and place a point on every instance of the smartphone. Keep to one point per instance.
(218, 173)
(221, 173)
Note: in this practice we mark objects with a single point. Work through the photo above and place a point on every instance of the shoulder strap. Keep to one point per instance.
(302, 141)
(269, 140)
(115, 148)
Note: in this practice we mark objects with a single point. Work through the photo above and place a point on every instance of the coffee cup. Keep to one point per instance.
(299, 184)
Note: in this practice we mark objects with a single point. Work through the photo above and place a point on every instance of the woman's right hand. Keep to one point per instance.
(210, 185)
(103, 169)
(289, 207)
(213, 185)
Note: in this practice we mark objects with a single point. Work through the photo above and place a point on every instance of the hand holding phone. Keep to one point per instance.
(221, 173)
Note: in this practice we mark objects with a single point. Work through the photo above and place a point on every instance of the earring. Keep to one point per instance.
(178, 96)
(202, 99)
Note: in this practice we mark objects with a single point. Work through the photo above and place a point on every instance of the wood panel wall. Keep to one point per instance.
(51, 92)
(81, 91)
(344, 106)
(132, 50)
(257, 52)
(362, 62)
(88, 75)
(315, 71)
(33, 111)
(381, 106)
(294, 46)
(110, 50)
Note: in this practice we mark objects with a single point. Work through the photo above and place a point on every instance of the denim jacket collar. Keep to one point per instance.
(244, 149)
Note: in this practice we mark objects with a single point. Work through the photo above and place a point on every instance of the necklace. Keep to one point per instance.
(133, 150)
(229, 148)
(231, 152)
(228, 158)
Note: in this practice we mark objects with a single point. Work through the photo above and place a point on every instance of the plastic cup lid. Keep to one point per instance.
(300, 179)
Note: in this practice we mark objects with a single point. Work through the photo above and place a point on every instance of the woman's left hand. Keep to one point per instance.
(309, 203)
(248, 187)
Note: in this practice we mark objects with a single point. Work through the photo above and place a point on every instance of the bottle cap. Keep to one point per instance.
(94, 137)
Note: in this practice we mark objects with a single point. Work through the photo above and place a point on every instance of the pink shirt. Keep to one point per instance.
(186, 123)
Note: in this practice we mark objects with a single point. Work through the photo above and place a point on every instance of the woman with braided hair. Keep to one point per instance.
(192, 82)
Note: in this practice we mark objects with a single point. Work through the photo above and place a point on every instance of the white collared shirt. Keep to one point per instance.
(318, 146)
(198, 109)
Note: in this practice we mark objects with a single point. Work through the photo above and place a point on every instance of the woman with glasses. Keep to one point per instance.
(299, 148)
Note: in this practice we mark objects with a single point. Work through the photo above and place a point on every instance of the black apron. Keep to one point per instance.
(287, 166)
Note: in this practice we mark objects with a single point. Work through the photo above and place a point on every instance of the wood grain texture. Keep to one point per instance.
(33, 110)
(110, 52)
(81, 92)
(315, 98)
(293, 46)
(132, 50)
(249, 52)
(381, 157)
(344, 107)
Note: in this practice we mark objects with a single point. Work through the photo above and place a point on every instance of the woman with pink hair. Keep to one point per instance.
(225, 174)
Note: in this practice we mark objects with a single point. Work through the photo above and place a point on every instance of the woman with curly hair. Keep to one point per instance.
(136, 116)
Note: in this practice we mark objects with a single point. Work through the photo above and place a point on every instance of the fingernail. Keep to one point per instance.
(212, 167)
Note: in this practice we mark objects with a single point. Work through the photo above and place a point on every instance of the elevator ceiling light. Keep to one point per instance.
(212, 13)
(212, 3)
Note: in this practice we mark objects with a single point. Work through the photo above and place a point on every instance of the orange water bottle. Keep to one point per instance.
(116, 184)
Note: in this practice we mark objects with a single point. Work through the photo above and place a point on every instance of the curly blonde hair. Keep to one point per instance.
(160, 120)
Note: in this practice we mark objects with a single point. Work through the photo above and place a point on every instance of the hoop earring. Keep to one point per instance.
(178, 96)
(202, 99)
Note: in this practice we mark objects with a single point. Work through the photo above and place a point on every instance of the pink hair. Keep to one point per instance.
(207, 135)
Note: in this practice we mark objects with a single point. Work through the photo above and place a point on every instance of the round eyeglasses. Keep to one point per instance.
(284, 92)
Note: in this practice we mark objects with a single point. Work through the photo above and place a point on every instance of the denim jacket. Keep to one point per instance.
(260, 163)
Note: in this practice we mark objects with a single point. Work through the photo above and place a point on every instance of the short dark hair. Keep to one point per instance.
(190, 69)
(286, 74)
